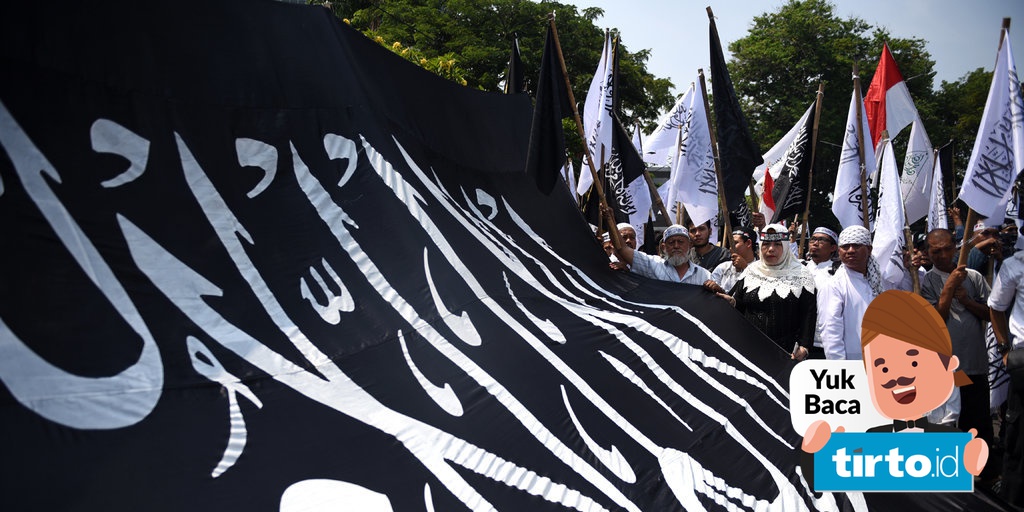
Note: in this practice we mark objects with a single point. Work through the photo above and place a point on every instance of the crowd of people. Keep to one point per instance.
(813, 307)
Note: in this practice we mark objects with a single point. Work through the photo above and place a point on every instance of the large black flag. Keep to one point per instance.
(241, 275)
(737, 151)
(547, 139)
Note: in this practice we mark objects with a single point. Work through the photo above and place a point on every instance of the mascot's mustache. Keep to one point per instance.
(902, 381)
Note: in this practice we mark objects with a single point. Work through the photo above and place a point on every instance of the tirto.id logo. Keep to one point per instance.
(906, 462)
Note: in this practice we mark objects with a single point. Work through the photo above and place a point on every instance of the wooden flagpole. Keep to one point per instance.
(810, 171)
(722, 205)
(865, 197)
(655, 196)
(598, 187)
(972, 216)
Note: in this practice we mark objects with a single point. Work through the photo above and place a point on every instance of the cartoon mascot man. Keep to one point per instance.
(911, 370)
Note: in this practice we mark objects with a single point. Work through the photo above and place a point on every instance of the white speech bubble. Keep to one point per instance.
(843, 387)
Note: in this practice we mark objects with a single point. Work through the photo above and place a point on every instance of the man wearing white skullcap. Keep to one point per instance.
(823, 261)
(675, 266)
(628, 234)
(842, 303)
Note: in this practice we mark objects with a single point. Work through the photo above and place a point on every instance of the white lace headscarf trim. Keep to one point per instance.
(788, 276)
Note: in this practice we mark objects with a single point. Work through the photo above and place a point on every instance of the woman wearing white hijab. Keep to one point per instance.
(776, 294)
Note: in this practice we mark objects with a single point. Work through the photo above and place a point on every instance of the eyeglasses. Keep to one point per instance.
(821, 240)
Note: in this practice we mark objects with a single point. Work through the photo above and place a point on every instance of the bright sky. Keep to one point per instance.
(961, 35)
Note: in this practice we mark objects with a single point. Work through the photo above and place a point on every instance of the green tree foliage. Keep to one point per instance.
(478, 34)
(777, 67)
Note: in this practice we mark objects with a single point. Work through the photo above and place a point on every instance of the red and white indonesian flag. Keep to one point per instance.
(887, 246)
(998, 154)
(766, 189)
(597, 120)
(888, 103)
(661, 145)
(937, 207)
(916, 181)
(847, 194)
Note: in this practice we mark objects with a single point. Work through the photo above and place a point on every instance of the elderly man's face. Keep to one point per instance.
(628, 237)
(906, 381)
(677, 247)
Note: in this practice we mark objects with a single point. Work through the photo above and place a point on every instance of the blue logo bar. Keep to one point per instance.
(913, 461)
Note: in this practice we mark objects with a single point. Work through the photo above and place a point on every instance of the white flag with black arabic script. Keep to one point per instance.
(916, 181)
(693, 180)
(848, 195)
(661, 145)
(597, 121)
(887, 246)
(937, 206)
(998, 154)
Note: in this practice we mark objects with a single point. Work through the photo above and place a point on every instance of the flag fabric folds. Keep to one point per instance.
(626, 188)
(998, 154)
(888, 103)
(789, 171)
(515, 77)
(692, 181)
(937, 217)
(661, 145)
(597, 113)
(916, 181)
(888, 242)
(547, 138)
(569, 174)
(767, 196)
(848, 194)
(737, 151)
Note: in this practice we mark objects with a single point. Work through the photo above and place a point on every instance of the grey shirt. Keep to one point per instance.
(966, 330)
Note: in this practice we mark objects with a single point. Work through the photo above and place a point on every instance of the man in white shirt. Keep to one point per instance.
(821, 251)
(1007, 291)
(842, 303)
(675, 266)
